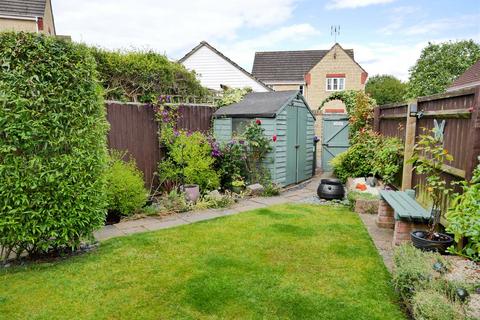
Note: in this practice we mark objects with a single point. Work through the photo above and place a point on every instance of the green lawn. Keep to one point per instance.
(282, 262)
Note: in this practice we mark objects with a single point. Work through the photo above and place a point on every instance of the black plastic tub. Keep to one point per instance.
(330, 189)
(419, 241)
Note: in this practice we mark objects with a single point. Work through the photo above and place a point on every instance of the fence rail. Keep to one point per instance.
(460, 111)
(133, 129)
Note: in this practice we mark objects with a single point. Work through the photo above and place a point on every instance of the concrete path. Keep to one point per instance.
(294, 194)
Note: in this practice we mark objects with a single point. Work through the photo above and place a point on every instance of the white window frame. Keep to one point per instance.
(333, 84)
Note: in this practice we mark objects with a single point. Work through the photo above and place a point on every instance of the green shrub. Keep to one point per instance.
(271, 190)
(173, 202)
(189, 160)
(464, 218)
(232, 95)
(125, 187)
(433, 305)
(230, 163)
(370, 154)
(144, 76)
(52, 144)
(210, 201)
(413, 270)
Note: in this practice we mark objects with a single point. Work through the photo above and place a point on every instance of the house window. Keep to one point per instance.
(301, 89)
(239, 125)
(335, 84)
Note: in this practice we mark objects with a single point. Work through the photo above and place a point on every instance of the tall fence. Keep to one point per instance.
(459, 110)
(133, 129)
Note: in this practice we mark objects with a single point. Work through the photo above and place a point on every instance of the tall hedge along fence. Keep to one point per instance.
(52, 144)
(139, 76)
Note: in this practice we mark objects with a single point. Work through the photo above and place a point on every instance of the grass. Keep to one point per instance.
(281, 262)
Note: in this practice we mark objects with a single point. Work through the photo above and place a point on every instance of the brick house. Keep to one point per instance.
(316, 73)
(27, 15)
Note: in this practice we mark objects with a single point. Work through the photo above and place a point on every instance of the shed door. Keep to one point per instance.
(296, 144)
(334, 139)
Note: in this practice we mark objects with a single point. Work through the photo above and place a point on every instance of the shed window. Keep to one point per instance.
(335, 84)
(239, 125)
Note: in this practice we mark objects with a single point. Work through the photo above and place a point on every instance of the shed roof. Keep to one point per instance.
(23, 8)
(287, 65)
(470, 78)
(259, 104)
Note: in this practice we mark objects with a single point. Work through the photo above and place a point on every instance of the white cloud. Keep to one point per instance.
(352, 4)
(166, 26)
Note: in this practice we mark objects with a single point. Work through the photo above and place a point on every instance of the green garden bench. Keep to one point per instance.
(405, 206)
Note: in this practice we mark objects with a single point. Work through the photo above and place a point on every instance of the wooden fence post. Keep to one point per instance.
(376, 119)
(473, 150)
(410, 130)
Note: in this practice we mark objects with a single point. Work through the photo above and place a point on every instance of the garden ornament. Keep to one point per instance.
(438, 129)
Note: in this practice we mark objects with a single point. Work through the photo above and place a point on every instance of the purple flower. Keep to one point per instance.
(242, 142)
(176, 133)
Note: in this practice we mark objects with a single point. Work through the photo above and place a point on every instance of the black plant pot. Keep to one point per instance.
(331, 189)
(440, 244)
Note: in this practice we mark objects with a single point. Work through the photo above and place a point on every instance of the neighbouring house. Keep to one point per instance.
(215, 71)
(287, 120)
(316, 73)
(469, 79)
(27, 15)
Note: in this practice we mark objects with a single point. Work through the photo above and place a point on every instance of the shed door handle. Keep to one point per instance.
(297, 146)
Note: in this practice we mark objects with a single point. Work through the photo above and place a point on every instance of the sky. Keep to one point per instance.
(387, 35)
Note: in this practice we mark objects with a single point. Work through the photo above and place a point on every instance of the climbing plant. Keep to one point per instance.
(358, 105)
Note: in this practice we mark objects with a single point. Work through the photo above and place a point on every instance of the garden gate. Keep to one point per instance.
(334, 137)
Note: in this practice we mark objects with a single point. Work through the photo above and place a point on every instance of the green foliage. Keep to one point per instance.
(413, 270)
(173, 202)
(125, 187)
(232, 95)
(433, 305)
(359, 107)
(189, 161)
(370, 154)
(52, 144)
(231, 163)
(464, 218)
(271, 190)
(439, 65)
(385, 89)
(257, 148)
(428, 158)
(143, 76)
(215, 201)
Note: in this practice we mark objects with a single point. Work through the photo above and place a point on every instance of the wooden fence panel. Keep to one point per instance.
(460, 110)
(133, 129)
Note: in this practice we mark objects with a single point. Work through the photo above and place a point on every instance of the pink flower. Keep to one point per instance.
(274, 137)
(258, 122)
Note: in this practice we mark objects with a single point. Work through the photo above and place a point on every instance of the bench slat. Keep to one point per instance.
(404, 206)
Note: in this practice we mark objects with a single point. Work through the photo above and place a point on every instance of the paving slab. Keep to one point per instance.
(108, 232)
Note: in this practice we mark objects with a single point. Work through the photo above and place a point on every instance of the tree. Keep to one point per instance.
(386, 89)
(439, 65)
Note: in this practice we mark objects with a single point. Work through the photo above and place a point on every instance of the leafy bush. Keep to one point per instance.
(230, 162)
(52, 144)
(125, 187)
(173, 202)
(464, 218)
(413, 270)
(271, 190)
(143, 76)
(257, 148)
(189, 161)
(433, 305)
(370, 154)
(232, 95)
(215, 201)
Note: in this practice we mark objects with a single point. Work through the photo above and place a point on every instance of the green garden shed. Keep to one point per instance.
(284, 114)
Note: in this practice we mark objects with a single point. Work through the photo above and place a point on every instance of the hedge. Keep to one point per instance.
(52, 144)
(143, 76)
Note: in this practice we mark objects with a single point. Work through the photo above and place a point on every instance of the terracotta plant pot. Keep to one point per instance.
(192, 192)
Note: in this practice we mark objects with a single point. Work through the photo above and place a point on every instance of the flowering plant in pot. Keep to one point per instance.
(428, 159)
(238, 184)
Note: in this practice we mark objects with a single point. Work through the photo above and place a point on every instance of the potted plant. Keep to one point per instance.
(428, 159)
(238, 184)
